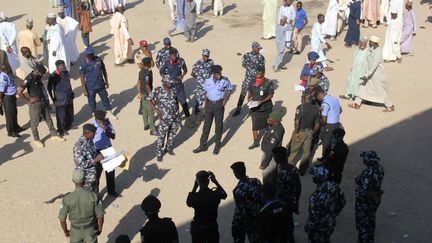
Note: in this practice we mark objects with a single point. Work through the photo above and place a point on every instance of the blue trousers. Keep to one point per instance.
(65, 117)
(103, 95)
(86, 39)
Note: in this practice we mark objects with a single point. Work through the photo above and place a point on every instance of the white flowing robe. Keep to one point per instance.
(70, 30)
(269, 18)
(218, 7)
(8, 39)
(317, 42)
(119, 28)
(57, 44)
(331, 17)
(290, 13)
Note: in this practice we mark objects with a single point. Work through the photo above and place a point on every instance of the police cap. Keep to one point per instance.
(216, 69)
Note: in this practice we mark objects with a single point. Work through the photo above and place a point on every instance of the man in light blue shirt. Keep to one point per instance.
(102, 140)
(218, 89)
(330, 115)
(8, 91)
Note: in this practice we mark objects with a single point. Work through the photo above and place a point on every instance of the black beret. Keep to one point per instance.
(261, 69)
(238, 166)
(59, 62)
(150, 204)
(89, 127)
(216, 69)
(100, 114)
(280, 155)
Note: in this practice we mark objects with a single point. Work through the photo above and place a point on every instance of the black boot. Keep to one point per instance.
(237, 112)
(186, 109)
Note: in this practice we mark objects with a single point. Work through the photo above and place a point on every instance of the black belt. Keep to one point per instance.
(306, 129)
(215, 102)
(83, 227)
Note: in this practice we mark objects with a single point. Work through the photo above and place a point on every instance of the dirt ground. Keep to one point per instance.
(30, 176)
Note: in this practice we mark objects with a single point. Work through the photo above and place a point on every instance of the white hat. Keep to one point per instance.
(374, 39)
(52, 15)
(364, 39)
(3, 15)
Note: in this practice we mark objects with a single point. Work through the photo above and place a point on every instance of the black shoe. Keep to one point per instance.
(216, 150)
(146, 128)
(19, 129)
(170, 152)
(159, 158)
(113, 194)
(199, 150)
(237, 112)
(14, 135)
(254, 145)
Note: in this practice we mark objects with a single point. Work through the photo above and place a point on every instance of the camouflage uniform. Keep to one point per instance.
(162, 57)
(84, 152)
(251, 62)
(248, 199)
(324, 82)
(288, 185)
(202, 70)
(367, 199)
(325, 203)
(166, 102)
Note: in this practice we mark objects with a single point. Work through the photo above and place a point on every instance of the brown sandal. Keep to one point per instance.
(354, 106)
(389, 109)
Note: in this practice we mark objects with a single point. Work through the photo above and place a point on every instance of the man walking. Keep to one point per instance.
(201, 71)
(301, 21)
(38, 104)
(251, 62)
(248, 201)
(205, 202)
(86, 158)
(56, 44)
(85, 211)
(269, 18)
(281, 30)
(8, 103)
(94, 80)
(122, 40)
(70, 29)
(165, 104)
(190, 20)
(368, 196)
(408, 29)
(306, 125)
(145, 87)
(85, 24)
(318, 41)
(29, 38)
(289, 11)
(218, 89)
(60, 91)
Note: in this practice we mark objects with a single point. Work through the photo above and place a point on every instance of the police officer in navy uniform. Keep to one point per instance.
(94, 80)
(157, 230)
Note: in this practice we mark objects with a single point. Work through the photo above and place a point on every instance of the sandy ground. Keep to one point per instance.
(31, 176)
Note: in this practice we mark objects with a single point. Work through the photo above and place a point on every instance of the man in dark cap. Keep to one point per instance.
(288, 185)
(338, 155)
(201, 71)
(94, 80)
(251, 62)
(85, 210)
(248, 201)
(60, 91)
(205, 202)
(86, 158)
(325, 203)
(218, 89)
(275, 221)
(145, 87)
(175, 69)
(38, 104)
(102, 140)
(165, 104)
(368, 194)
(272, 137)
(163, 54)
(157, 229)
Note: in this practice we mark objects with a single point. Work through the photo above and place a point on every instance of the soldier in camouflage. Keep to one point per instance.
(248, 199)
(251, 62)
(201, 71)
(164, 102)
(368, 196)
(85, 157)
(325, 203)
(163, 54)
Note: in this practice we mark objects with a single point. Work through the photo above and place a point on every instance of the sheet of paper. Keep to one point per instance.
(112, 159)
(253, 104)
(299, 87)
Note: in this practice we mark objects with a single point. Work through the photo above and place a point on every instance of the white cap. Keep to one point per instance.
(374, 39)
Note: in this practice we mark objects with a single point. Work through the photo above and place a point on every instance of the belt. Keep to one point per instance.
(83, 227)
(305, 129)
(216, 101)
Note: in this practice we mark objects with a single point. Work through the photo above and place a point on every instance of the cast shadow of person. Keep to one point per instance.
(9, 150)
(305, 42)
(202, 30)
(132, 222)
(121, 99)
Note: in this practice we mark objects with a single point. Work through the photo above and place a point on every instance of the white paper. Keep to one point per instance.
(111, 159)
(253, 104)
(299, 87)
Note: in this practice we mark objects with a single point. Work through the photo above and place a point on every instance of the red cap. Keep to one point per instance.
(143, 43)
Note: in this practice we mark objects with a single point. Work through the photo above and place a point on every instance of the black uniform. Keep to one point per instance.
(160, 230)
(272, 137)
(274, 222)
(260, 114)
(336, 160)
(204, 227)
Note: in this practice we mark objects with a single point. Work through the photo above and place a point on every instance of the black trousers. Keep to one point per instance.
(64, 116)
(326, 137)
(110, 178)
(213, 110)
(205, 233)
(11, 113)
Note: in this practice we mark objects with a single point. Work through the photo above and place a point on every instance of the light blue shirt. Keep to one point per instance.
(216, 90)
(331, 109)
(7, 85)
(101, 140)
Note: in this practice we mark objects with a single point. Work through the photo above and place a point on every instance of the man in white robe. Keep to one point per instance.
(122, 39)
(70, 29)
(56, 46)
(269, 18)
(288, 10)
(8, 41)
(391, 47)
(318, 42)
(331, 19)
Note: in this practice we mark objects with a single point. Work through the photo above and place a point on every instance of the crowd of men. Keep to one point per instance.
(264, 210)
